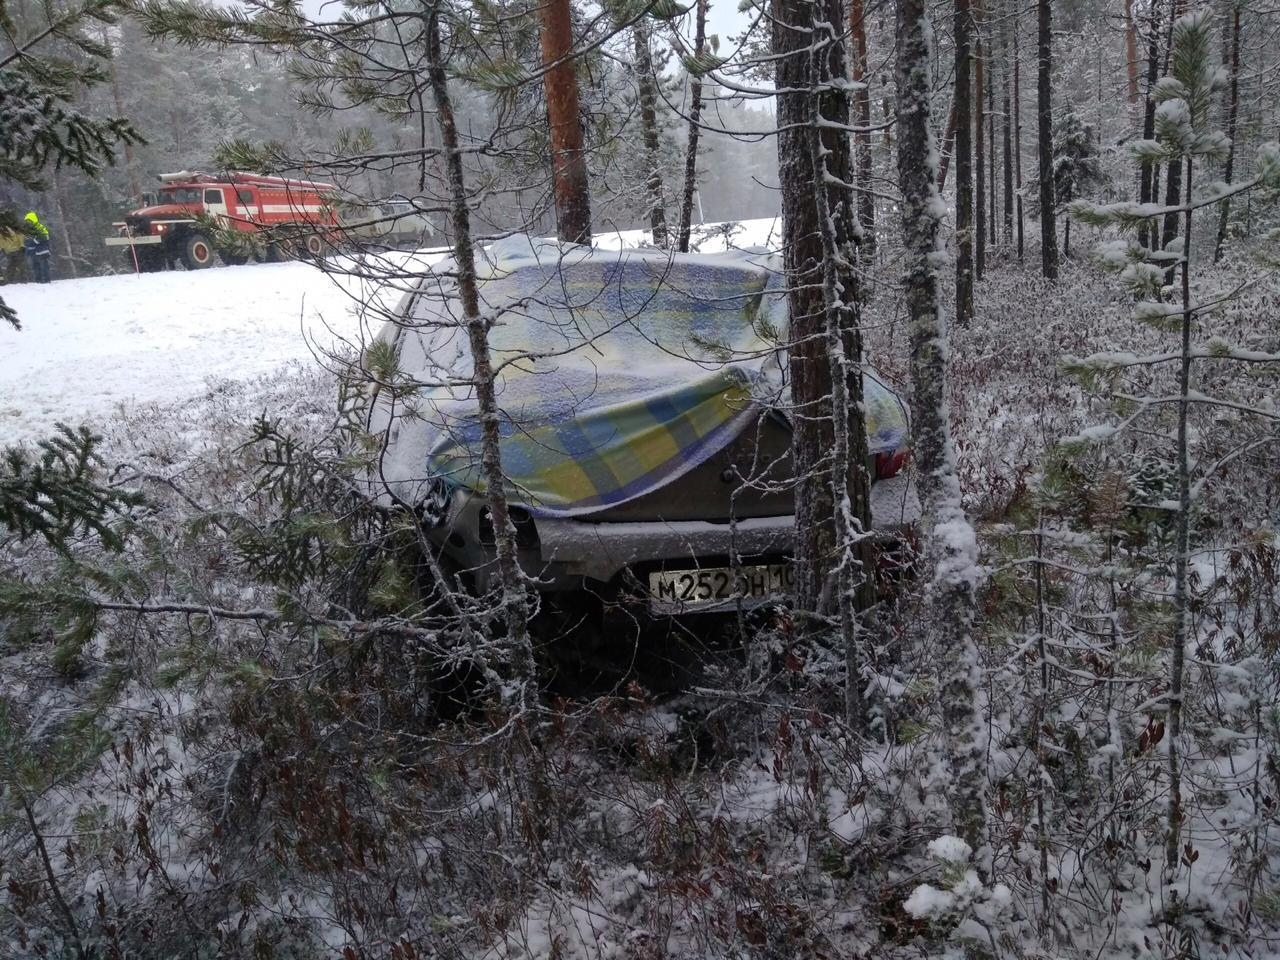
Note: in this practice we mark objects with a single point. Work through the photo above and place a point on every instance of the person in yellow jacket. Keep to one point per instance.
(15, 267)
(39, 253)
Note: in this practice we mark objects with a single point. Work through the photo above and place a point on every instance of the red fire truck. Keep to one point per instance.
(295, 217)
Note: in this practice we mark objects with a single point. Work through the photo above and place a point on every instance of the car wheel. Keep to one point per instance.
(197, 252)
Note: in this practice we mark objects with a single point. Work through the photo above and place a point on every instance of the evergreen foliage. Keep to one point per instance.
(1184, 136)
(38, 127)
(56, 492)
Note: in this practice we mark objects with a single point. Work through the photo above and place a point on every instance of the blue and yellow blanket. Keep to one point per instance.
(617, 372)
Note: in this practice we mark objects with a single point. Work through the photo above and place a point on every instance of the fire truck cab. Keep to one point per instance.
(193, 214)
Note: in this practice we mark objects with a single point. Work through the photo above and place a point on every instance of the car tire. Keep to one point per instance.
(197, 252)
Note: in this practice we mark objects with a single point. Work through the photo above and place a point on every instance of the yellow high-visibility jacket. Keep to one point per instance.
(41, 230)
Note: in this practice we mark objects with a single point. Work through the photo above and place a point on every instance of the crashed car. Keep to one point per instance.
(643, 419)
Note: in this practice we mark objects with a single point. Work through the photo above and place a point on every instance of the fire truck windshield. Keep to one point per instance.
(180, 195)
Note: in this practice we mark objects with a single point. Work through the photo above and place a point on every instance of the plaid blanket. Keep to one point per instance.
(616, 373)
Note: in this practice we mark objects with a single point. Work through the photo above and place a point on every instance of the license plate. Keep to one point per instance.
(708, 588)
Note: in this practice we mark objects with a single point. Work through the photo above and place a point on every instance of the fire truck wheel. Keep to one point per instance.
(275, 253)
(233, 259)
(313, 246)
(197, 252)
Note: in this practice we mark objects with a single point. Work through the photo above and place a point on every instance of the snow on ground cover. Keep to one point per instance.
(90, 348)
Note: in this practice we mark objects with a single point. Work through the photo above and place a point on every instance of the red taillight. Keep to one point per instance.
(891, 463)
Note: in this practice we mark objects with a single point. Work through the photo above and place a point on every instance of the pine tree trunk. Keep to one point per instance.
(818, 235)
(991, 155)
(1007, 130)
(69, 254)
(695, 127)
(568, 159)
(1233, 112)
(862, 139)
(951, 592)
(1131, 51)
(980, 144)
(1149, 174)
(1044, 125)
(130, 165)
(1173, 171)
(647, 85)
(964, 166)
(1182, 628)
(1017, 126)
(515, 603)
(948, 145)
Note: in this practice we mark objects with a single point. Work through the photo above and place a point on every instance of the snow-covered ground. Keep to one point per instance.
(90, 348)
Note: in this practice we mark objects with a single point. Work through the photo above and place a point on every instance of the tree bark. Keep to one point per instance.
(948, 146)
(951, 593)
(647, 85)
(980, 143)
(1007, 130)
(964, 167)
(1044, 125)
(819, 239)
(515, 602)
(568, 159)
(1173, 171)
(65, 224)
(1149, 174)
(130, 165)
(1233, 112)
(991, 151)
(862, 139)
(1182, 628)
(1017, 125)
(695, 126)
(1131, 51)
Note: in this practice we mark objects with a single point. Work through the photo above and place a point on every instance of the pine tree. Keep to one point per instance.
(820, 230)
(964, 164)
(568, 160)
(1075, 167)
(1075, 164)
(56, 493)
(1184, 139)
(696, 64)
(952, 545)
(1044, 129)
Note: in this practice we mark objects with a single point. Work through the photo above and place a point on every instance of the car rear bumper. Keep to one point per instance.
(602, 550)
(566, 552)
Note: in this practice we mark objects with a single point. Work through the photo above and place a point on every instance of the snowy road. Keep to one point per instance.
(90, 347)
